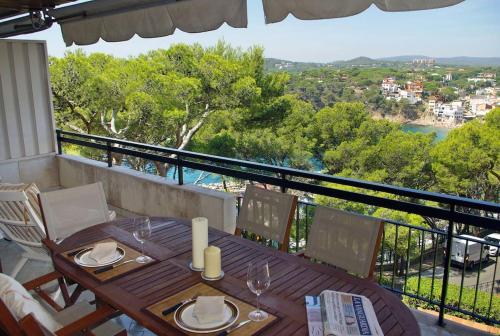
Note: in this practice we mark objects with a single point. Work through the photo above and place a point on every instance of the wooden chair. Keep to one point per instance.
(21, 223)
(67, 211)
(79, 318)
(268, 214)
(32, 327)
(345, 240)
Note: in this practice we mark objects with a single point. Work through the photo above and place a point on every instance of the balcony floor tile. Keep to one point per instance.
(428, 326)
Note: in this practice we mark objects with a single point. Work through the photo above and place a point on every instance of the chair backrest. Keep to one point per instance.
(16, 302)
(346, 240)
(20, 222)
(30, 325)
(8, 323)
(31, 190)
(67, 211)
(267, 213)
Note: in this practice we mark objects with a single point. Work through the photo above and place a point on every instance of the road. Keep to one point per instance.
(470, 276)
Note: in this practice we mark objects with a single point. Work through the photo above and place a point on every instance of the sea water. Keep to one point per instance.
(191, 175)
(441, 132)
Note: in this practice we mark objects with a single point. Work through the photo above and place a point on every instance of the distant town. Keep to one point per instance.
(420, 90)
(466, 107)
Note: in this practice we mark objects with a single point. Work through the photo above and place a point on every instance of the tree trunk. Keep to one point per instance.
(117, 158)
(431, 222)
(162, 168)
(224, 184)
(402, 266)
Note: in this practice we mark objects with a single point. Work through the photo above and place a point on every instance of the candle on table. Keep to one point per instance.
(200, 240)
(212, 262)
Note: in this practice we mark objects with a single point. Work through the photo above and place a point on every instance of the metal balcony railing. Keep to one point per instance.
(415, 262)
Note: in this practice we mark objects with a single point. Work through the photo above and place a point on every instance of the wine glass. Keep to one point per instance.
(258, 280)
(142, 231)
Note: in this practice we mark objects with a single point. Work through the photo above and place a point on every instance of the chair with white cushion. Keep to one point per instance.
(21, 314)
(268, 214)
(70, 210)
(20, 222)
(346, 240)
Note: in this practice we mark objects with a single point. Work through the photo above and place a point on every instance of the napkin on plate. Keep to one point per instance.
(208, 309)
(103, 252)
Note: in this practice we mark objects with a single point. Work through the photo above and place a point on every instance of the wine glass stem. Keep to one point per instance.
(258, 304)
(142, 248)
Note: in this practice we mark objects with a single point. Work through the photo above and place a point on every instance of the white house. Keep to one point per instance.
(432, 104)
(480, 105)
(484, 77)
(389, 86)
(489, 91)
(409, 95)
(453, 111)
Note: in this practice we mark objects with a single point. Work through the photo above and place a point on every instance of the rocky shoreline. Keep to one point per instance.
(238, 188)
(433, 123)
(423, 121)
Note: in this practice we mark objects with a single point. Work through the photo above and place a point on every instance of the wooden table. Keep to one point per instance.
(170, 243)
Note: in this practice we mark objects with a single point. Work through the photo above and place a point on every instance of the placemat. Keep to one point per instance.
(130, 253)
(203, 289)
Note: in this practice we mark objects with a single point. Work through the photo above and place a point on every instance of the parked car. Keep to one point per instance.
(475, 250)
(495, 239)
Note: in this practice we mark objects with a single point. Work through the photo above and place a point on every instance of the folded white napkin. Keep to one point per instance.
(208, 309)
(103, 252)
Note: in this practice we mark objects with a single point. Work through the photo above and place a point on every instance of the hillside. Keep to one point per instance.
(363, 61)
(273, 64)
(458, 61)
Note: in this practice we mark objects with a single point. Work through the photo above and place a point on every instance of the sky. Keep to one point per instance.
(471, 28)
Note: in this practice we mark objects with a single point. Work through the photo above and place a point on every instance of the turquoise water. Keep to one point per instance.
(441, 132)
(190, 175)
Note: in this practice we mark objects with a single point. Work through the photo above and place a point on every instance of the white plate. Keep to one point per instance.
(184, 318)
(83, 258)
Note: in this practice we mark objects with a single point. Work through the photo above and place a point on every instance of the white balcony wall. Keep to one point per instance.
(27, 141)
(151, 195)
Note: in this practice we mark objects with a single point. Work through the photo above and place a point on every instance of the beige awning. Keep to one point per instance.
(120, 20)
(278, 10)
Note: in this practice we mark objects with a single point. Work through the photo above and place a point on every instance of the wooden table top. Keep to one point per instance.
(292, 278)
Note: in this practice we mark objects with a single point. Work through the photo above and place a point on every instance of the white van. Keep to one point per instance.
(495, 239)
(474, 251)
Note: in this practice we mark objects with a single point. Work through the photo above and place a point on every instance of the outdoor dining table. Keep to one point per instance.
(292, 278)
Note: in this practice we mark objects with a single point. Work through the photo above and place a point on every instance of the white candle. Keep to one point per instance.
(212, 262)
(200, 240)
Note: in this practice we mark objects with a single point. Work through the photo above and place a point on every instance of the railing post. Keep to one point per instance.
(180, 170)
(283, 188)
(238, 204)
(447, 261)
(110, 154)
(297, 228)
(58, 140)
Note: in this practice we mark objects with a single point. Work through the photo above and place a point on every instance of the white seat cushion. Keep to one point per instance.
(22, 303)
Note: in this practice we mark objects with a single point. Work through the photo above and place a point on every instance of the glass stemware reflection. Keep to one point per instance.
(258, 280)
(142, 231)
